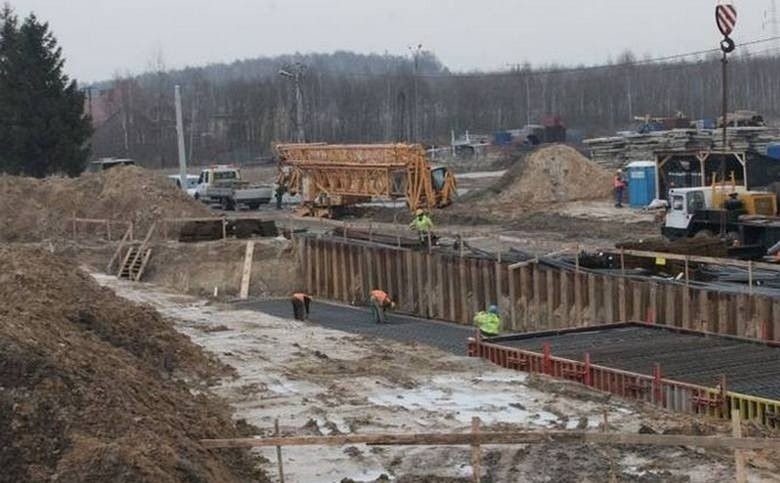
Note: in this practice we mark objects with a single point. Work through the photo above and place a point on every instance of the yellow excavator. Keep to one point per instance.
(333, 176)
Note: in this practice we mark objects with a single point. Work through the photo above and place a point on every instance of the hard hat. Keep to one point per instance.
(493, 309)
(419, 211)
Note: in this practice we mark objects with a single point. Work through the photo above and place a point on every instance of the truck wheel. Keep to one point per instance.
(703, 234)
(254, 206)
(227, 204)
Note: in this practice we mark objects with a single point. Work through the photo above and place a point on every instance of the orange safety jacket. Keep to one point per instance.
(617, 182)
(380, 296)
(300, 296)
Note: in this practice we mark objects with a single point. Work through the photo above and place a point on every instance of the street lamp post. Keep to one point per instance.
(296, 76)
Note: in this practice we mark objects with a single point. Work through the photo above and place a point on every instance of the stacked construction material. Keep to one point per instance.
(617, 151)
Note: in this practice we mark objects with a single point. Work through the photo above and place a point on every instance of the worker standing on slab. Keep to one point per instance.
(488, 322)
(618, 186)
(380, 301)
(423, 224)
(300, 303)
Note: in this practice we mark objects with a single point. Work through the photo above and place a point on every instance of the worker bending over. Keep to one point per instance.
(380, 301)
(300, 303)
(423, 224)
(488, 322)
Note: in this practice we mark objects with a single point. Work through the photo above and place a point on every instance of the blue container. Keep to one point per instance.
(773, 150)
(502, 138)
(641, 183)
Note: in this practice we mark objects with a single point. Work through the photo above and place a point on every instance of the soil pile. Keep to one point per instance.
(96, 388)
(551, 174)
(36, 209)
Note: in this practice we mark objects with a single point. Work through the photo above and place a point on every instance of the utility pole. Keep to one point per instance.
(180, 136)
(416, 52)
(297, 77)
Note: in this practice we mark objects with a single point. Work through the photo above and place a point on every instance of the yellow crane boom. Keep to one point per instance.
(331, 176)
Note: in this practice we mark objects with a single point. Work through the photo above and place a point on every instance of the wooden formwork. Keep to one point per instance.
(531, 296)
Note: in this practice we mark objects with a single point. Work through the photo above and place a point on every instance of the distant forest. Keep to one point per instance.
(233, 112)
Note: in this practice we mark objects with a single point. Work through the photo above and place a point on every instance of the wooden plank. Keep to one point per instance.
(246, 273)
(744, 315)
(550, 296)
(652, 304)
(419, 290)
(498, 268)
(451, 296)
(739, 457)
(476, 287)
(512, 300)
(686, 308)
(501, 437)
(775, 316)
(466, 314)
(564, 314)
(609, 299)
(476, 453)
(429, 294)
(354, 276)
(335, 270)
(593, 300)
(536, 299)
(526, 294)
(638, 308)
(317, 249)
(442, 287)
(723, 314)
(578, 298)
(485, 268)
(622, 308)
(409, 274)
(670, 292)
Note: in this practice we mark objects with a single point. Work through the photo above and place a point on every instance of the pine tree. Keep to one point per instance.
(43, 128)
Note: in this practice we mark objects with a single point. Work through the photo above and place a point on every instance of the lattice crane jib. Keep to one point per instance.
(336, 175)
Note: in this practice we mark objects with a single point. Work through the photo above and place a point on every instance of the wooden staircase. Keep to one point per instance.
(136, 259)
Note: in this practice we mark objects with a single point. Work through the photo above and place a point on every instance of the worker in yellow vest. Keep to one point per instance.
(300, 303)
(423, 225)
(379, 302)
(488, 322)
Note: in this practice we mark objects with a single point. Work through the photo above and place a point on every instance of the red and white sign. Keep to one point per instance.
(726, 18)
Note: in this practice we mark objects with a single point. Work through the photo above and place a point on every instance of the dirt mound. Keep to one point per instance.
(551, 174)
(96, 388)
(35, 209)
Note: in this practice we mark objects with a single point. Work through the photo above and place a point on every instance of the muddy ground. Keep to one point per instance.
(318, 381)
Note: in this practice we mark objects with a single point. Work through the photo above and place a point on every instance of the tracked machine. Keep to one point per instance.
(330, 178)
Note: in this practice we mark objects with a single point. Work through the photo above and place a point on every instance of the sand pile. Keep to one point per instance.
(36, 209)
(551, 174)
(96, 388)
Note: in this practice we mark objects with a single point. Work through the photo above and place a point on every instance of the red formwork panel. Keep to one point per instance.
(665, 393)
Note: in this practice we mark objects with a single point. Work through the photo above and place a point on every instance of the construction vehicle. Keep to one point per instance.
(222, 184)
(746, 220)
(330, 178)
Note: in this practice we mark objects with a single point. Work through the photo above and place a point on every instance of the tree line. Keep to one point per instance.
(235, 112)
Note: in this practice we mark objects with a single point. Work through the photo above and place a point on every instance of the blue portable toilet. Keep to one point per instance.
(773, 150)
(641, 183)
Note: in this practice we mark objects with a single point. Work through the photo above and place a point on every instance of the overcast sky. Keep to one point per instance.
(103, 37)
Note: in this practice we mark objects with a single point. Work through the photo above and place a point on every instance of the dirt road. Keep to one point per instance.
(321, 381)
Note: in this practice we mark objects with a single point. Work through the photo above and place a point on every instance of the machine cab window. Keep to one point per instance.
(677, 202)
(695, 201)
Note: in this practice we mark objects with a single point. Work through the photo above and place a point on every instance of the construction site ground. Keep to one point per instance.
(321, 381)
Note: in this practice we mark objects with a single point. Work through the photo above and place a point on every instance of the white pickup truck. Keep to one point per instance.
(222, 184)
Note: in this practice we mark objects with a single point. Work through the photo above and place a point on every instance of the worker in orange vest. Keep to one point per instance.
(380, 301)
(618, 186)
(300, 303)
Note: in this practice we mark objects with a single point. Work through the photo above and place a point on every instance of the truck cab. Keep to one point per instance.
(705, 211)
(222, 184)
